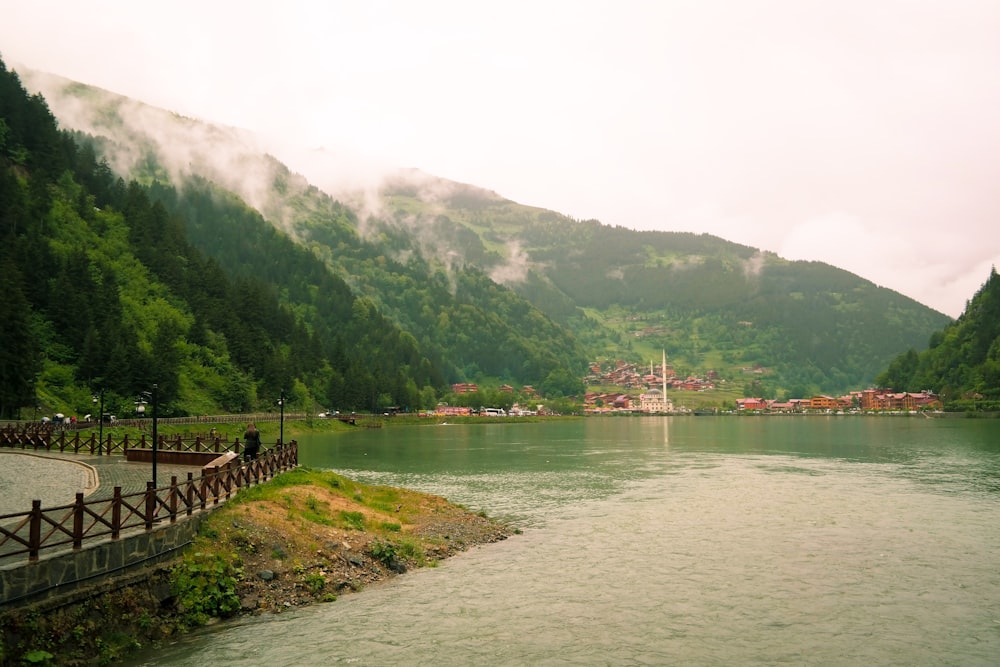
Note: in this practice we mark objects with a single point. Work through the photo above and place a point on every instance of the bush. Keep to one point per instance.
(355, 520)
(205, 586)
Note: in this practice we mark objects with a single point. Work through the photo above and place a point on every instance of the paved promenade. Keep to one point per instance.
(56, 478)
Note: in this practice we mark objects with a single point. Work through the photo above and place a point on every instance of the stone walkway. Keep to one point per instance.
(56, 478)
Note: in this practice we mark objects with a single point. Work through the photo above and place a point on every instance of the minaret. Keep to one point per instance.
(663, 369)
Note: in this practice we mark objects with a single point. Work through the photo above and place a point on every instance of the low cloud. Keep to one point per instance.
(184, 147)
(927, 267)
(753, 266)
(515, 268)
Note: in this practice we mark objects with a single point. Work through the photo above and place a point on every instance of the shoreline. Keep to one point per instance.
(302, 538)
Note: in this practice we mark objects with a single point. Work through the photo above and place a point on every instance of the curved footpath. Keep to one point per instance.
(56, 478)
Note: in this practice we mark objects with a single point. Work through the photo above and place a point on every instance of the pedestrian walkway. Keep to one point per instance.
(55, 478)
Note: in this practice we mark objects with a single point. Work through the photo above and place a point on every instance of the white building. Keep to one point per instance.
(655, 401)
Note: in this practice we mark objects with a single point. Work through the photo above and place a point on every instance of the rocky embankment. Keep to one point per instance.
(288, 562)
(305, 537)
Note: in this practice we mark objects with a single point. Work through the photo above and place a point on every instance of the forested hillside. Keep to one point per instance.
(711, 304)
(467, 325)
(491, 291)
(104, 292)
(962, 363)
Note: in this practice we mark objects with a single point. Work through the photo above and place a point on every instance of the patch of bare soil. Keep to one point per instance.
(288, 560)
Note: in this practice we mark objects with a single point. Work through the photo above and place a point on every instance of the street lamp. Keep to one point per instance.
(281, 432)
(100, 422)
(141, 409)
(155, 437)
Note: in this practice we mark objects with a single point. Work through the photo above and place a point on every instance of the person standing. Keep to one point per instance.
(251, 442)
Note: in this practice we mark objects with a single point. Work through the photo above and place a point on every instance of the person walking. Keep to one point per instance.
(251, 442)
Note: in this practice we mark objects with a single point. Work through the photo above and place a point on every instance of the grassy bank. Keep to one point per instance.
(304, 537)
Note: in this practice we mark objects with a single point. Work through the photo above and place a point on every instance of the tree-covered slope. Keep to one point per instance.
(962, 363)
(468, 325)
(491, 288)
(103, 291)
(711, 304)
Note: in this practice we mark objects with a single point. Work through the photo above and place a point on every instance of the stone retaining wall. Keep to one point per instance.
(63, 574)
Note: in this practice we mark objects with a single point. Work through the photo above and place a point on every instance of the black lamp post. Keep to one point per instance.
(141, 409)
(281, 432)
(100, 422)
(155, 437)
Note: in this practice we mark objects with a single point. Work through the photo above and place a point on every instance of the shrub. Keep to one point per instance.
(315, 582)
(354, 520)
(205, 586)
(38, 657)
(384, 552)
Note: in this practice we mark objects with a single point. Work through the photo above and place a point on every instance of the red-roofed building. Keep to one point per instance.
(750, 404)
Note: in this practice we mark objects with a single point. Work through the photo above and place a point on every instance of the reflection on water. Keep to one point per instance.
(667, 541)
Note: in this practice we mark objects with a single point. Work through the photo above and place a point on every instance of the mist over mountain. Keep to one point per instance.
(479, 288)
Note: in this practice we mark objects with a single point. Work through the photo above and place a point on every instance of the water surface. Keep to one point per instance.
(695, 540)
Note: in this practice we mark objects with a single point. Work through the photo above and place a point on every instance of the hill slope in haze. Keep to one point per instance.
(963, 360)
(489, 288)
(711, 304)
(103, 293)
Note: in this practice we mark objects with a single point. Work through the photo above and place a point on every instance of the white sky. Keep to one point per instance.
(863, 133)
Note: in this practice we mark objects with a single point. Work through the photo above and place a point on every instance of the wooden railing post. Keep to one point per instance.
(78, 521)
(189, 493)
(215, 485)
(35, 530)
(173, 498)
(150, 504)
(116, 513)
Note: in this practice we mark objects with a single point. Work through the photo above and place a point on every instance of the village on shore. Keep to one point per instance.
(650, 394)
(655, 399)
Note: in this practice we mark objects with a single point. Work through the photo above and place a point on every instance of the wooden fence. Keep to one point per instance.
(72, 442)
(67, 526)
(146, 423)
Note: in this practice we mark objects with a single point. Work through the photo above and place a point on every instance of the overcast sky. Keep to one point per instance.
(863, 133)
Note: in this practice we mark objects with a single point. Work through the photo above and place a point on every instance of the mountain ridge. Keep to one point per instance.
(817, 327)
(963, 359)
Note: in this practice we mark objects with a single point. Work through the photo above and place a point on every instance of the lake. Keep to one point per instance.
(834, 540)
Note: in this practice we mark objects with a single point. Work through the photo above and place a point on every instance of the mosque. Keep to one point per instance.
(655, 401)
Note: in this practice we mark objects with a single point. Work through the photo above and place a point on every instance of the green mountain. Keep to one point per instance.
(104, 292)
(711, 304)
(476, 287)
(962, 363)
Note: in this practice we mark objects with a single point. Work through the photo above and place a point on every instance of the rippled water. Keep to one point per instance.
(827, 541)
